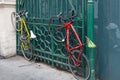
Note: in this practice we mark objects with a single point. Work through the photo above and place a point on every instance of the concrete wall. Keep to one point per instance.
(7, 32)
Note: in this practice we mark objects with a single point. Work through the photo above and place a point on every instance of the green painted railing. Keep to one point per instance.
(39, 13)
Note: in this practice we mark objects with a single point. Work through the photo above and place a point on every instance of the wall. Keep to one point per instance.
(7, 32)
(108, 40)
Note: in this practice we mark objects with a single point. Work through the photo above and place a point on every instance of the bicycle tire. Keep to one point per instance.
(80, 76)
(27, 54)
(57, 35)
(15, 21)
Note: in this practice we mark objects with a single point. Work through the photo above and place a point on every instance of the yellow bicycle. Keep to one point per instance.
(25, 35)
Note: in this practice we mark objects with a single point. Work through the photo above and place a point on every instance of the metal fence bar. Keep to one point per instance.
(39, 12)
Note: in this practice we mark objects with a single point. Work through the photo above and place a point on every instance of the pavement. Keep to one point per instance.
(17, 68)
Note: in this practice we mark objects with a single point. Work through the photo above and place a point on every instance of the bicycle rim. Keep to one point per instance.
(81, 72)
(27, 54)
(57, 35)
(15, 21)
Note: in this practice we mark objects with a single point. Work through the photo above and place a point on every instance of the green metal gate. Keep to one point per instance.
(39, 12)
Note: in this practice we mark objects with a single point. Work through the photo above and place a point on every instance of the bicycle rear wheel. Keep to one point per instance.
(26, 48)
(15, 19)
(57, 35)
(27, 53)
(83, 71)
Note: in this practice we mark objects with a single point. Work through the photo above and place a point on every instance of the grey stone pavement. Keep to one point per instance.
(17, 68)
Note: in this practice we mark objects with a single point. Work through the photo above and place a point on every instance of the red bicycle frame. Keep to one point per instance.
(69, 26)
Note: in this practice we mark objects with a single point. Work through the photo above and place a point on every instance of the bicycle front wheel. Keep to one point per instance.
(57, 35)
(82, 71)
(15, 19)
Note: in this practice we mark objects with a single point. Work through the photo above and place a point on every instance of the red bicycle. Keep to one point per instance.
(78, 62)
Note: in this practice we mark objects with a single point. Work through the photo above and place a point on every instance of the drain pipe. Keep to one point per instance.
(90, 34)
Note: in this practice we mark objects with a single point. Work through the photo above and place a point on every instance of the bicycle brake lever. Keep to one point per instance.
(61, 20)
(23, 13)
(59, 14)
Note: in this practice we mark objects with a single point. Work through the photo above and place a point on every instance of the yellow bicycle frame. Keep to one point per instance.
(23, 26)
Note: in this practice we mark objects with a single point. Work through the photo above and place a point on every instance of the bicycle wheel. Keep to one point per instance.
(57, 35)
(27, 53)
(26, 48)
(15, 19)
(83, 71)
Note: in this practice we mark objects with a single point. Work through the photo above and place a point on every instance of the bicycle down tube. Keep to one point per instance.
(69, 26)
